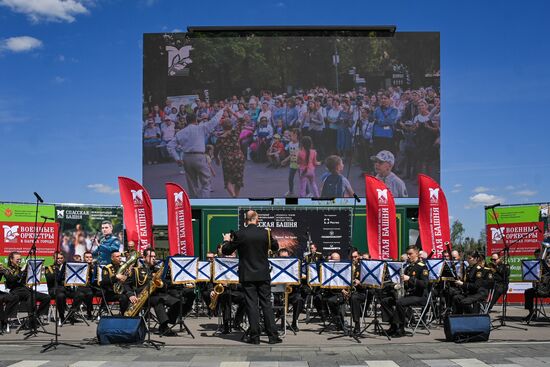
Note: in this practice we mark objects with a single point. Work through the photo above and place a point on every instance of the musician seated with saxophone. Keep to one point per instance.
(146, 282)
(228, 295)
(539, 289)
(113, 277)
(294, 297)
(8, 303)
(16, 282)
(474, 288)
(415, 285)
(55, 278)
(185, 293)
(359, 292)
(205, 288)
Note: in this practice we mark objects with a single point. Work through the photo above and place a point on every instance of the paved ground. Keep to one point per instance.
(259, 181)
(507, 347)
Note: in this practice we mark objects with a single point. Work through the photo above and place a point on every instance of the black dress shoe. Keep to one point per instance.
(255, 341)
(399, 333)
(275, 340)
(391, 330)
(295, 327)
(357, 329)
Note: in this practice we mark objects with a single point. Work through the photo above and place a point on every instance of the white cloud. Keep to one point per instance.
(457, 186)
(61, 58)
(526, 193)
(485, 199)
(48, 10)
(280, 4)
(59, 80)
(176, 30)
(103, 189)
(509, 187)
(20, 44)
(8, 114)
(481, 189)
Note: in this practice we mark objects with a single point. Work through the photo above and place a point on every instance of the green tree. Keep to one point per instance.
(457, 231)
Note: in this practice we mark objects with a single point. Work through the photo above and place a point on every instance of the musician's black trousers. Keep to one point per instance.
(295, 299)
(24, 295)
(8, 305)
(227, 298)
(255, 292)
(122, 300)
(356, 304)
(498, 291)
(160, 302)
(60, 294)
(468, 304)
(188, 296)
(530, 295)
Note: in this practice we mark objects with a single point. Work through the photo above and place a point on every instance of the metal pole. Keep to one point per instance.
(336, 61)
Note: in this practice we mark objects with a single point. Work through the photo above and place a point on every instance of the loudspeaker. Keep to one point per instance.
(467, 328)
(120, 330)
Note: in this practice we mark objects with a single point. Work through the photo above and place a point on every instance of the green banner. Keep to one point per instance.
(10, 212)
(514, 214)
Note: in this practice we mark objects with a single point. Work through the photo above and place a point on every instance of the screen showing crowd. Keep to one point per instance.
(287, 116)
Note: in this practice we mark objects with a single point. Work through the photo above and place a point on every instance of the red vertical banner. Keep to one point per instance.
(180, 221)
(138, 213)
(433, 216)
(381, 220)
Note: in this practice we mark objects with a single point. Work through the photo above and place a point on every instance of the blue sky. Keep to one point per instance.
(70, 96)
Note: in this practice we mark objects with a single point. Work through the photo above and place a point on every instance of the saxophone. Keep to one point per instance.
(400, 287)
(118, 286)
(156, 282)
(218, 290)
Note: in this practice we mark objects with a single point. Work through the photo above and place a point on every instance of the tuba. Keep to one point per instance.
(218, 290)
(156, 282)
(117, 287)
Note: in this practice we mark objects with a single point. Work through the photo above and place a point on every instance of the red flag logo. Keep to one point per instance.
(381, 220)
(433, 216)
(138, 213)
(180, 221)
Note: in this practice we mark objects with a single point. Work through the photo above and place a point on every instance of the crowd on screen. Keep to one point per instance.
(393, 131)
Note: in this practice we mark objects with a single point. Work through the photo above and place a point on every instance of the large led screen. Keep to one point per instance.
(229, 115)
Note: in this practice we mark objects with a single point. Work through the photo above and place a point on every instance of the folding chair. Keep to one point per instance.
(418, 315)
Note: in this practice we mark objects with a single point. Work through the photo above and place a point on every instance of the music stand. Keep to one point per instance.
(372, 275)
(285, 271)
(183, 270)
(76, 275)
(531, 271)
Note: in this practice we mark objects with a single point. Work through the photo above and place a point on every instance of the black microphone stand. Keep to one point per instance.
(154, 343)
(55, 342)
(33, 320)
(506, 255)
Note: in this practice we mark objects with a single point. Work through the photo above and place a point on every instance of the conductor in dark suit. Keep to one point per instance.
(252, 244)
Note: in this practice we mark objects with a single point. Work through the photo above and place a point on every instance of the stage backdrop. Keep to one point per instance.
(330, 229)
(81, 225)
(524, 228)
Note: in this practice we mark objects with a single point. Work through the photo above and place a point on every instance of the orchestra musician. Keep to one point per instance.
(253, 245)
(159, 300)
(335, 299)
(501, 276)
(109, 278)
(475, 287)
(8, 303)
(205, 288)
(357, 298)
(55, 277)
(108, 245)
(233, 294)
(313, 256)
(294, 298)
(415, 283)
(185, 293)
(16, 279)
(542, 289)
(87, 290)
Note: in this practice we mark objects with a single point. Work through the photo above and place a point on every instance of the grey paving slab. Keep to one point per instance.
(439, 362)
